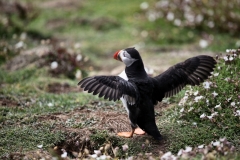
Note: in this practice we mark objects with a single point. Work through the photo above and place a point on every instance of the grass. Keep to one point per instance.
(102, 28)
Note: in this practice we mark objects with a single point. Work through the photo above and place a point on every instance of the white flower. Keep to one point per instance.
(203, 115)
(64, 154)
(79, 57)
(50, 104)
(218, 106)
(201, 146)
(183, 100)
(144, 5)
(177, 22)
(228, 50)
(217, 143)
(170, 16)
(190, 109)
(180, 152)
(181, 110)
(233, 104)
(40, 146)
(195, 93)
(19, 45)
(188, 149)
(229, 99)
(214, 94)
(203, 43)
(214, 114)
(215, 74)
(210, 117)
(196, 99)
(206, 85)
(225, 58)
(237, 113)
(125, 147)
(168, 156)
(97, 152)
(54, 65)
(93, 156)
(230, 58)
(194, 123)
(78, 74)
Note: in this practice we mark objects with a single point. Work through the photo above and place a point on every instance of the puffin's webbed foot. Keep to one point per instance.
(126, 134)
(139, 131)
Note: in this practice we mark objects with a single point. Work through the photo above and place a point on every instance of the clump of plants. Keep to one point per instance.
(215, 106)
(201, 15)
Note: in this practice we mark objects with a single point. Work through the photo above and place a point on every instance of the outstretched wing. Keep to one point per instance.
(193, 71)
(111, 87)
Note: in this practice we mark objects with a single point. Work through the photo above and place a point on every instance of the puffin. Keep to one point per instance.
(139, 92)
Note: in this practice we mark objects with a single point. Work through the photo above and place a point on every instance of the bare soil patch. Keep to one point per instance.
(82, 123)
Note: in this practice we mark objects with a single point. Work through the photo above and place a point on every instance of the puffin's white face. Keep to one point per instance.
(125, 57)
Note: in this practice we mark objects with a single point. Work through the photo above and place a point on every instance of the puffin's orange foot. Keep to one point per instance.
(139, 131)
(125, 134)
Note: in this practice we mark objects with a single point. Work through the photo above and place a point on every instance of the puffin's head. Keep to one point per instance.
(127, 56)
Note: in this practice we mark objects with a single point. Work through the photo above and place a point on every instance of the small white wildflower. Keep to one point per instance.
(183, 100)
(102, 157)
(225, 58)
(233, 104)
(201, 146)
(237, 113)
(203, 43)
(206, 85)
(40, 146)
(125, 147)
(214, 94)
(50, 104)
(210, 117)
(194, 123)
(196, 99)
(64, 154)
(190, 109)
(54, 65)
(180, 152)
(215, 74)
(168, 156)
(188, 149)
(177, 22)
(214, 114)
(218, 67)
(207, 101)
(93, 156)
(195, 93)
(78, 74)
(228, 50)
(229, 99)
(222, 139)
(230, 58)
(79, 57)
(144, 5)
(97, 152)
(227, 79)
(181, 110)
(19, 45)
(203, 115)
(217, 143)
(170, 16)
(218, 106)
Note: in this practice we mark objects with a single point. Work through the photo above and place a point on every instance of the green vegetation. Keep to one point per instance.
(47, 46)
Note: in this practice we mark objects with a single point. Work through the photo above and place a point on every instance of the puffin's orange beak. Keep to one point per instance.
(116, 56)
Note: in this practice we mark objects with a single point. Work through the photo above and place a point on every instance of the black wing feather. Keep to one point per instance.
(110, 87)
(193, 71)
